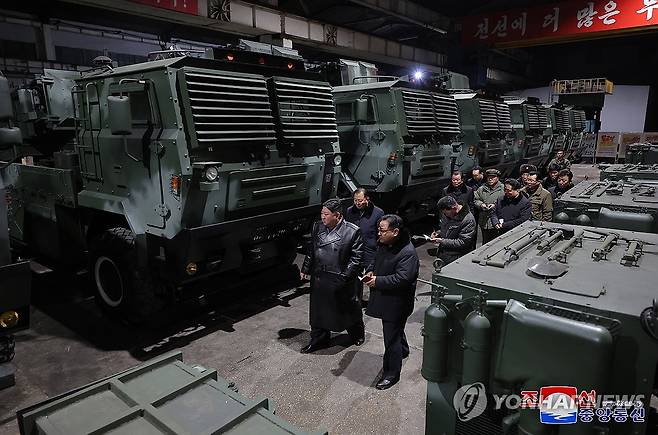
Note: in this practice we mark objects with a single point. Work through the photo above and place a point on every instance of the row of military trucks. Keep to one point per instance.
(158, 175)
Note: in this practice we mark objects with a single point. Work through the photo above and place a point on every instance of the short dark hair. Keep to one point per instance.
(446, 203)
(334, 205)
(476, 168)
(394, 221)
(565, 173)
(514, 183)
(457, 173)
(361, 190)
(535, 173)
(553, 167)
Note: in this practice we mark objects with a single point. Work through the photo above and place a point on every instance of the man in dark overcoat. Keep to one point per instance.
(392, 283)
(334, 262)
(365, 215)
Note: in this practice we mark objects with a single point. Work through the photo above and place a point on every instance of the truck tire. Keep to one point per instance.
(121, 288)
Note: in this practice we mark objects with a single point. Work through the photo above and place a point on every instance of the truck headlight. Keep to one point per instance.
(8, 319)
(337, 159)
(211, 173)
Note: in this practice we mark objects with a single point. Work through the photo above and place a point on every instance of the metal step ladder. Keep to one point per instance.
(84, 126)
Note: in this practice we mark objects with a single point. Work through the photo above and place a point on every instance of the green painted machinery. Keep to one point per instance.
(624, 204)
(401, 143)
(629, 172)
(180, 169)
(641, 154)
(487, 128)
(559, 128)
(576, 146)
(162, 396)
(530, 121)
(544, 305)
(15, 274)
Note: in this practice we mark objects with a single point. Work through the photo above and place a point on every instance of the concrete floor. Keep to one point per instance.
(253, 341)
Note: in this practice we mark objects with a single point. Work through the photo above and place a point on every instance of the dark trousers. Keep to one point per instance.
(395, 347)
(322, 336)
(489, 235)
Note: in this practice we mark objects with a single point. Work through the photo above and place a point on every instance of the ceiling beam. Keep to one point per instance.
(402, 17)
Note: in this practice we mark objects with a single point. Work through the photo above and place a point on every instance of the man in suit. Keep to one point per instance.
(392, 282)
(334, 262)
(365, 215)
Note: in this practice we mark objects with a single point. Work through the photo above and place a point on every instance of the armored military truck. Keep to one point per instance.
(401, 143)
(625, 205)
(641, 154)
(629, 171)
(530, 121)
(559, 128)
(188, 167)
(548, 329)
(576, 145)
(15, 274)
(487, 128)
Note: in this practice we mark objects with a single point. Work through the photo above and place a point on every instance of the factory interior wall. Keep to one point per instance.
(625, 109)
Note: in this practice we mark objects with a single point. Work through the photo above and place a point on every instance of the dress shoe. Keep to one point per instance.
(386, 383)
(312, 347)
(359, 341)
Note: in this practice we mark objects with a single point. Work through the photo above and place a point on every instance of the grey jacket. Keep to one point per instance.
(487, 195)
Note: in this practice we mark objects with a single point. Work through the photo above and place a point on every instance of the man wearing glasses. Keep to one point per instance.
(334, 262)
(392, 282)
(365, 215)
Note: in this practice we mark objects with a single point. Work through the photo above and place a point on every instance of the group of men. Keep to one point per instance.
(366, 246)
(496, 206)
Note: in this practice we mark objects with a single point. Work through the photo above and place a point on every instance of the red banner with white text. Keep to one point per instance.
(560, 21)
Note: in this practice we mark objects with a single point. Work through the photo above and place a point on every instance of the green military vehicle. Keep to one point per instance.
(401, 143)
(530, 121)
(625, 205)
(181, 168)
(641, 154)
(15, 274)
(576, 145)
(559, 128)
(629, 172)
(548, 329)
(487, 128)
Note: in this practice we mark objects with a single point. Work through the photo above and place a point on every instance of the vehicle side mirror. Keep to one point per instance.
(361, 110)
(119, 114)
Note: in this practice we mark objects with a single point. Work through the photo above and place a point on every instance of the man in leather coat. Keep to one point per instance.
(334, 262)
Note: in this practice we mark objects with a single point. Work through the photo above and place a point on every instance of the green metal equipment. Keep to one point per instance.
(399, 142)
(487, 129)
(179, 169)
(15, 274)
(625, 205)
(162, 396)
(544, 306)
(641, 154)
(630, 172)
(559, 128)
(530, 121)
(576, 146)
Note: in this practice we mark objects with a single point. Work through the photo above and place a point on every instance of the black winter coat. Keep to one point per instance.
(367, 223)
(457, 235)
(334, 262)
(513, 212)
(463, 194)
(396, 268)
(556, 192)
